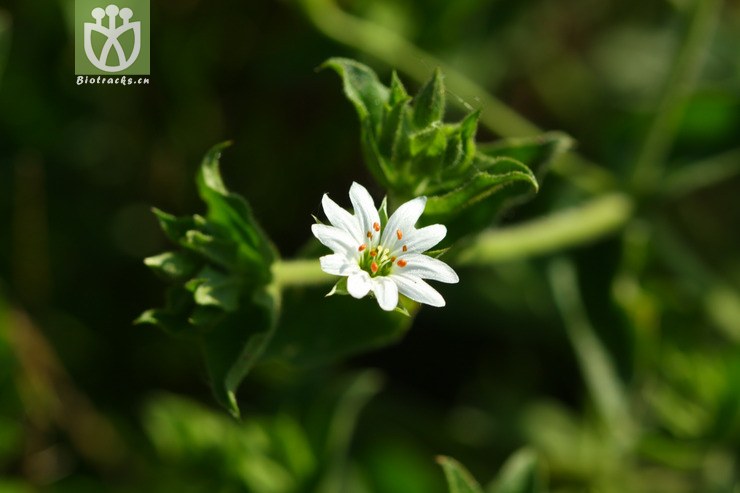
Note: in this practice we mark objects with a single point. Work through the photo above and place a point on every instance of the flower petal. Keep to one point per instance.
(337, 239)
(420, 240)
(341, 219)
(365, 211)
(386, 293)
(403, 219)
(417, 289)
(359, 284)
(338, 264)
(426, 267)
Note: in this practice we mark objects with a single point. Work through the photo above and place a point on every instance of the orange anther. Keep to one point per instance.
(374, 267)
(405, 248)
(373, 253)
(362, 247)
(376, 226)
(399, 235)
(369, 234)
(402, 263)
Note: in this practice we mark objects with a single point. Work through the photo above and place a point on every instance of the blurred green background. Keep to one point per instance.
(89, 402)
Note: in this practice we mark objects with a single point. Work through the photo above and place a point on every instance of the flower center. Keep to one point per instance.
(377, 260)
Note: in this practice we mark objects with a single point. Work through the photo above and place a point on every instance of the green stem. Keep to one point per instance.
(300, 272)
(596, 365)
(649, 165)
(559, 230)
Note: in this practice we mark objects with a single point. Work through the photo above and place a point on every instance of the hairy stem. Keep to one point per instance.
(300, 272)
(559, 230)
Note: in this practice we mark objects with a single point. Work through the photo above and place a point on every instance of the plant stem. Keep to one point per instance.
(649, 165)
(705, 173)
(300, 272)
(559, 230)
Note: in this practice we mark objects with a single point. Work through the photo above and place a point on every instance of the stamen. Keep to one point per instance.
(405, 248)
(369, 234)
(374, 253)
(399, 235)
(374, 267)
(402, 263)
(393, 259)
(362, 247)
(376, 226)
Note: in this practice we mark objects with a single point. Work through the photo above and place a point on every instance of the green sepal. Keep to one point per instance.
(339, 288)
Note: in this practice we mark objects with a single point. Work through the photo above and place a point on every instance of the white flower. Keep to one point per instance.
(386, 259)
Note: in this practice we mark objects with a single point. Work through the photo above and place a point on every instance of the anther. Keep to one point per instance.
(374, 253)
(362, 247)
(376, 226)
(399, 235)
(374, 267)
(402, 263)
(405, 248)
(369, 234)
(393, 259)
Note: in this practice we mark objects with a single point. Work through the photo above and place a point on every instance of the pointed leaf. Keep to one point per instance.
(175, 228)
(429, 104)
(217, 289)
(236, 344)
(459, 480)
(173, 266)
(231, 211)
(362, 88)
(536, 152)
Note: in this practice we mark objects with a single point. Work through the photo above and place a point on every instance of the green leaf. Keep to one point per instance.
(520, 474)
(175, 228)
(217, 289)
(459, 480)
(173, 266)
(221, 252)
(429, 104)
(362, 88)
(231, 211)
(316, 330)
(236, 344)
(537, 152)
(473, 206)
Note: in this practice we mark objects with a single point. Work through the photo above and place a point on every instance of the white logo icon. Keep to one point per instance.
(112, 33)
